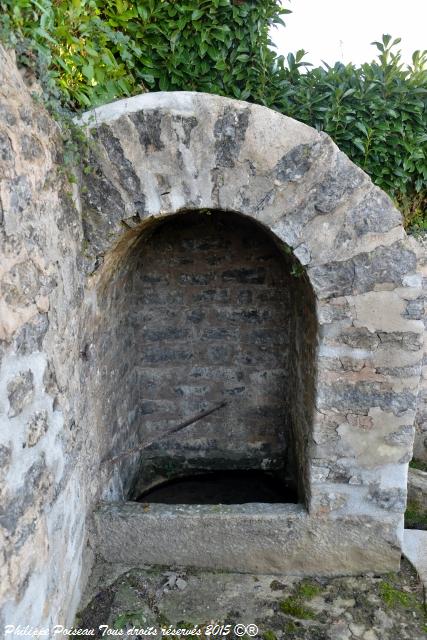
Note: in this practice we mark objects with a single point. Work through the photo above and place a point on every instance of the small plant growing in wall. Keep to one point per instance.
(297, 270)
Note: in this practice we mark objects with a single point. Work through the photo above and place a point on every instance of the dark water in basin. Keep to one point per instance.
(221, 487)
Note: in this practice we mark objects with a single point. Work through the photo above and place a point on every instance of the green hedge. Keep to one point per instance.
(99, 50)
(377, 114)
(89, 52)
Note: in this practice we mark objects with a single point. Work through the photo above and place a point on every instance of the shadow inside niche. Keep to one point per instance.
(222, 487)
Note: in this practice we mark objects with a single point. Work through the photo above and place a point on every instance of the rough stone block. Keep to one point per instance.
(278, 539)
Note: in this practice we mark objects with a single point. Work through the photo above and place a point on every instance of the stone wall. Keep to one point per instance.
(70, 378)
(157, 155)
(420, 442)
(43, 492)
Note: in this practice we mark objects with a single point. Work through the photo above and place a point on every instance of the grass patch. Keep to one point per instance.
(415, 518)
(133, 618)
(293, 606)
(393, 597)
(269, 635)
(421, 465)
(290, 627)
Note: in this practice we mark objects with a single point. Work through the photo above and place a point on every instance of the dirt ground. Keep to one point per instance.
(175, 602)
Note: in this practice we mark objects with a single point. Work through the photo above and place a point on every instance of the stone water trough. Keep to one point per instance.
(237, 257)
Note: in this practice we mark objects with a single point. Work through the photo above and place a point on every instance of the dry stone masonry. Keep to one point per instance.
(215, 250)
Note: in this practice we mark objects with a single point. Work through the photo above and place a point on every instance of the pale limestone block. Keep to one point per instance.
(369, 444)
(382, 311)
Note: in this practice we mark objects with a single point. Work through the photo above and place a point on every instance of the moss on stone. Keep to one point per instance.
(188, 626)
(307, 590)
(421, 465)
(134, 618)
(392, 597)
(293, 606)
(275, 585)
(162, 620)
(269, 635)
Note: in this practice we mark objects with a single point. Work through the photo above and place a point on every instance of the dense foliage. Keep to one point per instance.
(89, 52)
(98, 50)
(377, 114)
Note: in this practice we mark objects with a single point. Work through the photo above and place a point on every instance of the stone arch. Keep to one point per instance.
(159, 155)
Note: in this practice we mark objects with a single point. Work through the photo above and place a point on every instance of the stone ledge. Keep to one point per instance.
(266, 538)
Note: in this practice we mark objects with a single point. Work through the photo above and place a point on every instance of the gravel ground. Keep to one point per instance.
(159, 601)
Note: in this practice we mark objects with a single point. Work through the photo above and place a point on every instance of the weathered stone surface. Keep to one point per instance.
(417, 490)
(384, 311)
(343, 179)
(364, 272)
(414, 546)
(125, 170)
(389, 499)
(37, 427)
(368, 216)
(20, 392)
(278, 538)
(148, 126)
(229, 133)
(295, 164)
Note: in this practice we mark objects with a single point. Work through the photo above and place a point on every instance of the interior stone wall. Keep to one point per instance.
(206, 308)
(303, 367)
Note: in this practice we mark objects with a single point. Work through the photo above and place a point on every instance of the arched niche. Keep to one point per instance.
(205, 308)
(157, 156)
